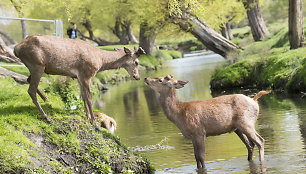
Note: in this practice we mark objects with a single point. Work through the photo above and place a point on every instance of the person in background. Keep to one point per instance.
(72, 32)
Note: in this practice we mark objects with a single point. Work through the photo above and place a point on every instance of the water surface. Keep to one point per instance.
(141, 123)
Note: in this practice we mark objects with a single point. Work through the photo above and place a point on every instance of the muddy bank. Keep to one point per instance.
(69, 144)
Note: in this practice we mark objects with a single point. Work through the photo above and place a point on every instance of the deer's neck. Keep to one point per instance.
(112, 59)
(171, 105)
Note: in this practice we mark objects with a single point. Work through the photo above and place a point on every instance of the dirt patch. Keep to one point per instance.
(96, 152)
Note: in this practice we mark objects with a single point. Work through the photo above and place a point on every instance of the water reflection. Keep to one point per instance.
(141, 122)
(152, 101)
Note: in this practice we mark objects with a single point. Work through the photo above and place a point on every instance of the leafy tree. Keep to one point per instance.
(220, 14)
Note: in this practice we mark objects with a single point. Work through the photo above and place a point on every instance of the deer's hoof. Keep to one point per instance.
(48, 120)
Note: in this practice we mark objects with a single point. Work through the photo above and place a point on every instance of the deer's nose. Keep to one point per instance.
(136, 77)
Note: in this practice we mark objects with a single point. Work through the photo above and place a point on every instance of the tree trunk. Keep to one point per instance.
(99, 41)
(21, 15)
(226, 31)
(19, 78)
(256, 22)
(123, 30)
(296, 33)
(131, 35)
(120, 30)
(24, 28)
(7, 53)
(210, 38)
(8, 38)
(147, 37)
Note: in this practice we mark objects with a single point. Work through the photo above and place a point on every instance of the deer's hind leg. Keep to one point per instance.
(253, 136)
(40, 93)
(249, 144)
(36, 73)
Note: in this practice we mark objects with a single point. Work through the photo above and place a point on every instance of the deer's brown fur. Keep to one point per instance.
(200, 119)
(74, 58)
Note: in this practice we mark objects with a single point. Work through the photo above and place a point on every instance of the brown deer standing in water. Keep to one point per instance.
(200, 119)
(73, 58)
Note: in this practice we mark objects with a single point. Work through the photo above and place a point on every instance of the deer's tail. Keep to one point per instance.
(261, 93)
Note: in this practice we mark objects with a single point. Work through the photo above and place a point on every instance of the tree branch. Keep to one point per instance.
(19, 78)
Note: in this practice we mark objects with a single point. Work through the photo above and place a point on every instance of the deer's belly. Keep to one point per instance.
(61, 70)
(218, 130)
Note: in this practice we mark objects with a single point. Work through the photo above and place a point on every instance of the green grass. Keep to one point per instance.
(28, 144)
(266, 64)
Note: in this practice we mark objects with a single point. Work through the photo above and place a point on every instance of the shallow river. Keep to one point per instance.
(142, 124)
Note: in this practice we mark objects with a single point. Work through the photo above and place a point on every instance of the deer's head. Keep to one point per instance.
(160, 84)
(132, 61)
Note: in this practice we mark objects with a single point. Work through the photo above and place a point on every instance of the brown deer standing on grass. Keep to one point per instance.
(200, 119)
(73, 58)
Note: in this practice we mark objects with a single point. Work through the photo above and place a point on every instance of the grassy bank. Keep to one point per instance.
(68, 145)
(268, 64)
(147, 63)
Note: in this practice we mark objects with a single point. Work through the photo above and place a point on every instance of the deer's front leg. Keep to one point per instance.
(199, 150)
(86, 95)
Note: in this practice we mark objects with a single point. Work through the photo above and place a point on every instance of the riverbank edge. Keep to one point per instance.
(69, 144)
(269, 64)
(283, 71)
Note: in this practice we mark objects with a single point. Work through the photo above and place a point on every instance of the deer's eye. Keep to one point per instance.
(160, 80)
(136, 63)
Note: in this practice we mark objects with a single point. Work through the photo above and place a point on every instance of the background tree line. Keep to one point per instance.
(110, 22)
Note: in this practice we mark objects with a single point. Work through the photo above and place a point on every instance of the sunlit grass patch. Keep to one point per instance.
(29, 144)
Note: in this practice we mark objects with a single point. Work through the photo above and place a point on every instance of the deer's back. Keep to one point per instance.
(219, 115)
(59, 56)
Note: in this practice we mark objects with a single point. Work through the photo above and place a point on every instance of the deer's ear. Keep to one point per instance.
(140, 51)
(168, 77)
(180, 83)
(127, 51)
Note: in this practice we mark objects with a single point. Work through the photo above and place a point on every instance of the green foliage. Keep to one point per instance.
(177, 7)
(275, 11)
(219, 12)
(282, 69)
(68, 90)
(28, 144)
(112, 76)
(266, 64)
(172, 54)
(20, 70)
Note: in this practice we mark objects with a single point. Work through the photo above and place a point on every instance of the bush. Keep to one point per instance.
(283, 69)
(68, 90)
